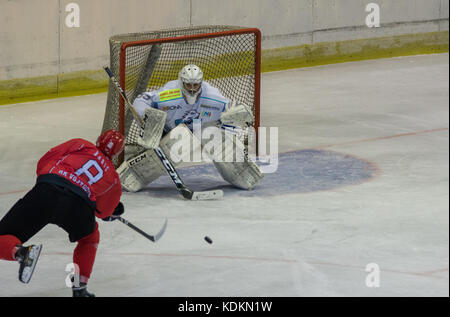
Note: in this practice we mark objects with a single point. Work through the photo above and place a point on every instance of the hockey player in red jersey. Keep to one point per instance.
(76, 182)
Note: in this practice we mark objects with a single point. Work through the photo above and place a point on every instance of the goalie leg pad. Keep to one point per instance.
(140, 170)
(232, 163)
(154, 121)
(146, 167)
(244, 175)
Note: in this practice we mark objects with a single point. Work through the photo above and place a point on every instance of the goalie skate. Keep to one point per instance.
(28, 257)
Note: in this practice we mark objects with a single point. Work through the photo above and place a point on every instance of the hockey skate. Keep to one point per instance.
(81, 291)
(27, 257)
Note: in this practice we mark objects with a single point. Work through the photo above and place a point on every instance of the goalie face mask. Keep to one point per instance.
(111, 143)
(191, 78)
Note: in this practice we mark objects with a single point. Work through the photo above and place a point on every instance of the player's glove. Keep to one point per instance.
(120, 209)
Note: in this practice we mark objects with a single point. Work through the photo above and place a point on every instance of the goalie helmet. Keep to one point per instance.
(111, 143)
(191, 78)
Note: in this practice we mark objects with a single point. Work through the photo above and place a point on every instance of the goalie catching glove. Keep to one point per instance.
(237, 115)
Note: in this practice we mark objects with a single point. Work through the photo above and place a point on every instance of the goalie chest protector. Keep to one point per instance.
(169, 99)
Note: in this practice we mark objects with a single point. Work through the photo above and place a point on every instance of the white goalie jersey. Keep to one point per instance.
(208, 107)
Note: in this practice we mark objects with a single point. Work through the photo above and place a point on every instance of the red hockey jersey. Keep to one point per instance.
(84, 165)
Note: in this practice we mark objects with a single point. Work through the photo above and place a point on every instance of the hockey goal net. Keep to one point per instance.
(229, 56)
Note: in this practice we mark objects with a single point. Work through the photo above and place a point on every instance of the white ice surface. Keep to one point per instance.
(392, 113)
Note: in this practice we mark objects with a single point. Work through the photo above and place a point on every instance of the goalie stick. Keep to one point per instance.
(150, 237)
(182, 188)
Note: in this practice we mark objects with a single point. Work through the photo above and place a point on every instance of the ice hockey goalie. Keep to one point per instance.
(170, 116)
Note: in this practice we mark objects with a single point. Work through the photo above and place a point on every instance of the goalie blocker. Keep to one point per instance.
(153, 126)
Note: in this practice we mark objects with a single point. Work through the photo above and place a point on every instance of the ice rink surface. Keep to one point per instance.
(362, 181)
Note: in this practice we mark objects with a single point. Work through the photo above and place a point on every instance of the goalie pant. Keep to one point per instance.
(68, 202)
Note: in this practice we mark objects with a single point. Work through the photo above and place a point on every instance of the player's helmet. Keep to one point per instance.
(191, 78)
(111, 143)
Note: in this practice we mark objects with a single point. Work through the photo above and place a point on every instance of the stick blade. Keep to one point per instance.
(207, 195)
(161, 232)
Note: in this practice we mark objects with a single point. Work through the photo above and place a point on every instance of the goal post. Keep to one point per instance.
(229, 56)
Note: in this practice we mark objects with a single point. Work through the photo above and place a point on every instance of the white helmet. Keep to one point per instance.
(191, 77)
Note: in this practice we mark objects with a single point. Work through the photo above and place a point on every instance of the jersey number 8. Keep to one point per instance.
(85, 170)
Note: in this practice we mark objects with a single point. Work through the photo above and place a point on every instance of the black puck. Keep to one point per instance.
(208, 239)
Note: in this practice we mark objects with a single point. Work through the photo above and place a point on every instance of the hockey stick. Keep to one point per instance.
(150, 237)
(182, 188)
